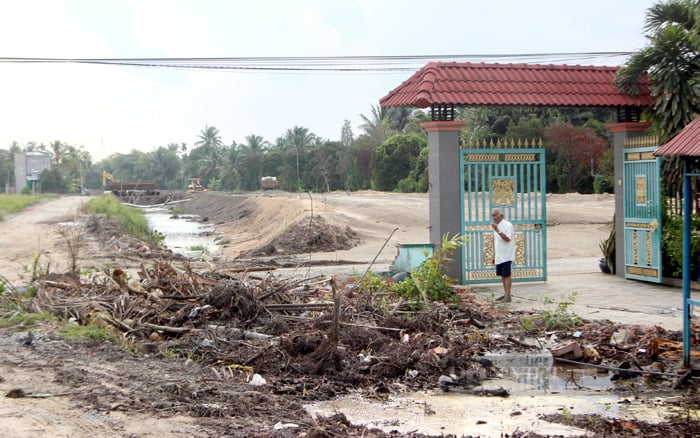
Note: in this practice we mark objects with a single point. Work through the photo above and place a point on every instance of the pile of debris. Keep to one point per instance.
(300, 332)
(266, 344)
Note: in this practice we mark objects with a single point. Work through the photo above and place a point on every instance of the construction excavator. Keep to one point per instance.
(106, 176)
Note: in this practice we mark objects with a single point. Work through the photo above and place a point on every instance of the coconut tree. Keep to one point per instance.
(298, 139)
(672, 61)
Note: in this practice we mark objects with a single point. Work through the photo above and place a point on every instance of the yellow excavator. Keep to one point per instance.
(106, 176)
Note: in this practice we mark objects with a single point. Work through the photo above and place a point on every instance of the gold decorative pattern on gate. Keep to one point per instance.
(520, 249)
(640, 156)
(519, 157)
(648, 239)
(641, 142)
(490, 252)
(503, 191)
(644, 272)
(490, 274)
(635, 247)
(641, 190)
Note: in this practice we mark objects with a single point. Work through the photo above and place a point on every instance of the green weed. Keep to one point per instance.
(93, 331)
(169, 353)
(26, 319)
(560, 318)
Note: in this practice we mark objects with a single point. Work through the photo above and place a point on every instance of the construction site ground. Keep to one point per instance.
(191, 335)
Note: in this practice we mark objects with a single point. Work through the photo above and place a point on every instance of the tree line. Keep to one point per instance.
(390, 154)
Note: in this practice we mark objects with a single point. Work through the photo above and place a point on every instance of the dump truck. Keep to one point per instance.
(128, 188)
(268, 183)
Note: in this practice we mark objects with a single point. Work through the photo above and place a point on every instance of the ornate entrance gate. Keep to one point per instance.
(642, 200)
(515, 181)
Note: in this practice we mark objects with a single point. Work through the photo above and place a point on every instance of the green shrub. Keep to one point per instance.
(672, 242)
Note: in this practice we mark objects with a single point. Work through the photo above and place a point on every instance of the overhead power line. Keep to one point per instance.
(327, 63)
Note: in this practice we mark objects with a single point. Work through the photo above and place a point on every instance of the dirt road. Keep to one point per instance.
(32, 233)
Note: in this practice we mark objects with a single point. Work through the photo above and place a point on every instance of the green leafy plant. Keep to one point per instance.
(560, 318)
(371, 283)
(427, 282)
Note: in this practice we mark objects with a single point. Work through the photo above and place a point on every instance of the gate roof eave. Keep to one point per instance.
(481, 84)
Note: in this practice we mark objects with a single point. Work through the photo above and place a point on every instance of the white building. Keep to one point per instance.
(28, 167)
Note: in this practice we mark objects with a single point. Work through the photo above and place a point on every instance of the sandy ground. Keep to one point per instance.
(577, 224)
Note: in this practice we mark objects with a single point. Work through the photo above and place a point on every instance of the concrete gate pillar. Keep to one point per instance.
(621, 132)
(444, 186)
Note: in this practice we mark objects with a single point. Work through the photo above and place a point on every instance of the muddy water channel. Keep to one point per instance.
(184, 234)
(536, 386)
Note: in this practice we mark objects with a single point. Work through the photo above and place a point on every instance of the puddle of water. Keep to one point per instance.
(436, 413)
(539, 371)
(537, 386)
(182, 234)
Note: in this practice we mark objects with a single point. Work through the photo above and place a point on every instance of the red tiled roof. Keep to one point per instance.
(686, 143)
(479, 84)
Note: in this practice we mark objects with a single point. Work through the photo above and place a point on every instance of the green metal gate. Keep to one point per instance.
(642, 199)
(515, 181)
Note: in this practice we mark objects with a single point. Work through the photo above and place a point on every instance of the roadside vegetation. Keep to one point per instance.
(131, 218)
(13, 203)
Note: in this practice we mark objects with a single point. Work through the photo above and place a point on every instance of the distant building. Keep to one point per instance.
(28, 167)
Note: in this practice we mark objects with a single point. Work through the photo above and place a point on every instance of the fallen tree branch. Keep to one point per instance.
(622, 370)
(303, 306)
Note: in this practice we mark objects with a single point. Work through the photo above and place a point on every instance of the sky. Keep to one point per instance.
(109, 109)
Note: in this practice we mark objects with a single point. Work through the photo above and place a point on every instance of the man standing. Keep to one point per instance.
(504, 249)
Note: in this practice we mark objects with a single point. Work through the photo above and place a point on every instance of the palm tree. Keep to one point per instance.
(256, 144)
(299, 139)
(57, 150)
(374, 127)
(208, 155)
(209, 139)
(672, 61)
